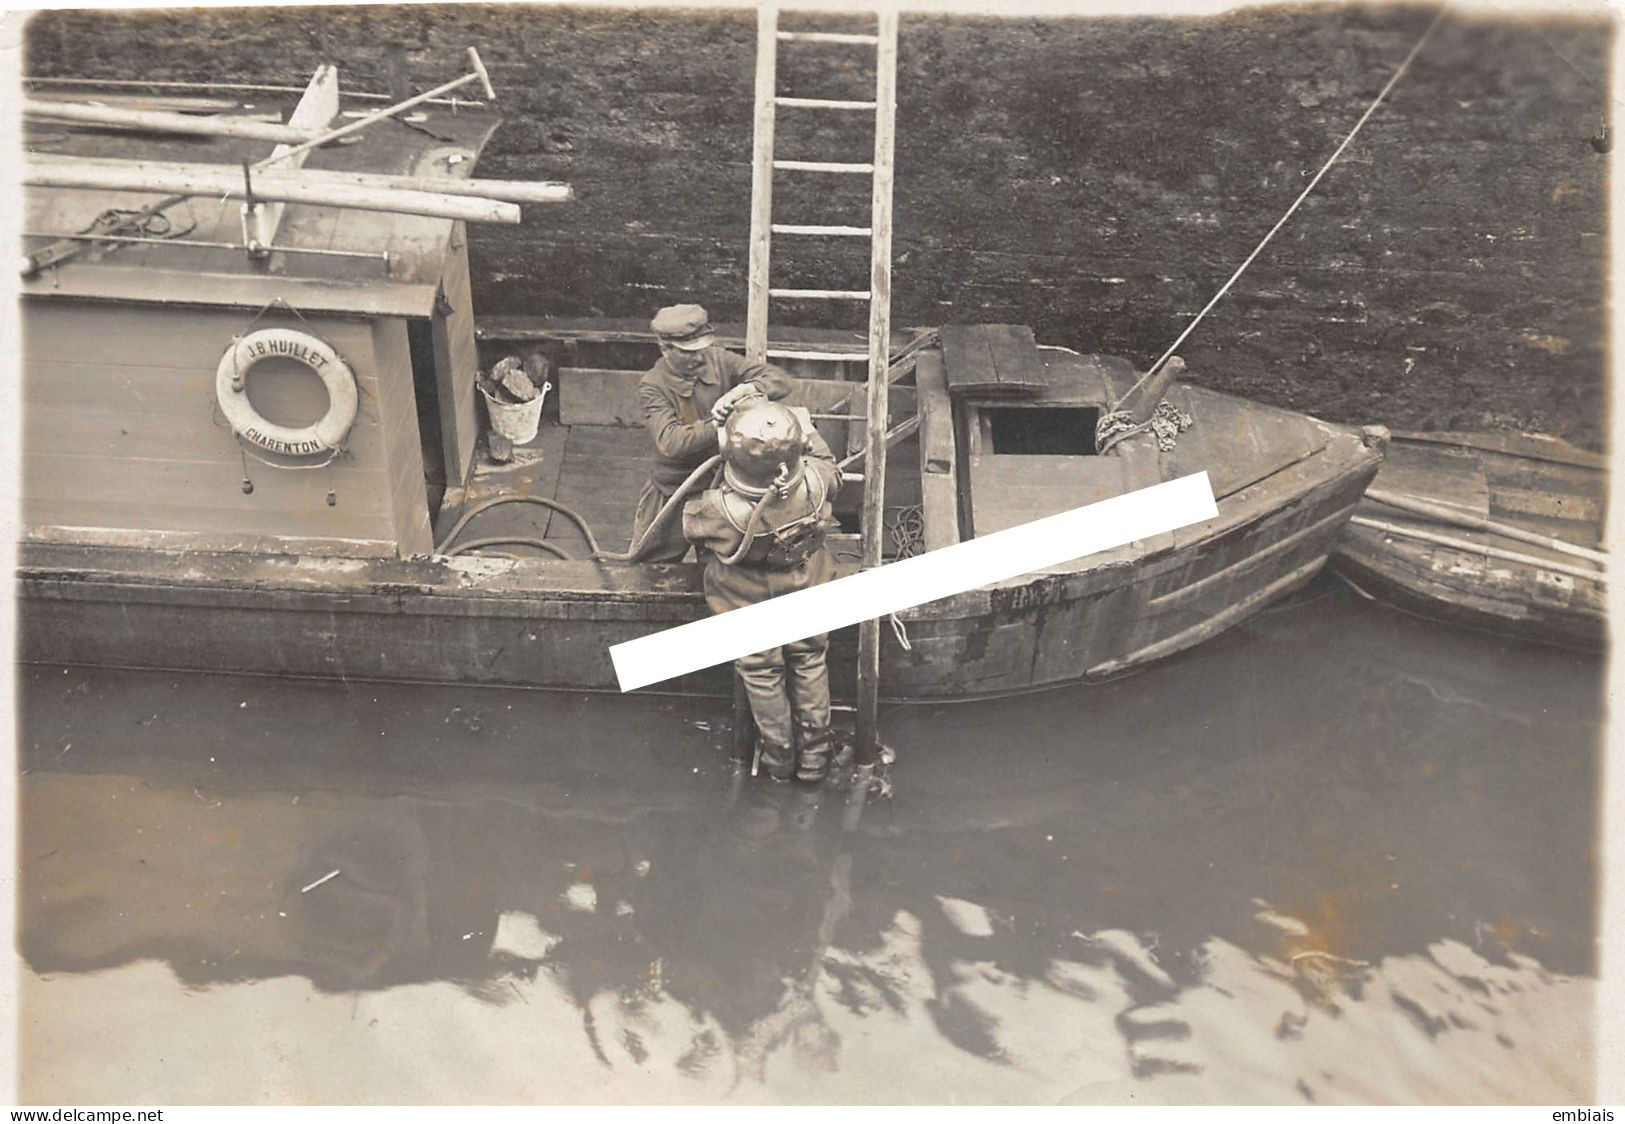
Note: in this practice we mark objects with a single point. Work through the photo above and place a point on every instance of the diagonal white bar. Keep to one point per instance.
(914, 581)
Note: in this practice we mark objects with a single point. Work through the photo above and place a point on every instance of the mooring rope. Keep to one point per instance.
(1326, 167)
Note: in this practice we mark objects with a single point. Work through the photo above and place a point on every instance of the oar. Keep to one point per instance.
(1479, 548)
(1444, 514)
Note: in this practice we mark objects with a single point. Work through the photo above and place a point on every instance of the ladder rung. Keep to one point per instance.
(816, 166)
(821, 294)
(836, 231)
(826, 37)
(834, 356)
(823, 103)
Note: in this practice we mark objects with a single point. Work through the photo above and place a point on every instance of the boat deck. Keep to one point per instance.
(597, 470)
(592, 454)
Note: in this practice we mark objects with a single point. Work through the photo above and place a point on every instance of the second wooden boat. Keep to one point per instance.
(1498, 531)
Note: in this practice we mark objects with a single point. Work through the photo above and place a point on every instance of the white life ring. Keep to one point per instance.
(231, 391)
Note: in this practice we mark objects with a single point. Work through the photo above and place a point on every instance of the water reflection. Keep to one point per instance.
(1337, 856)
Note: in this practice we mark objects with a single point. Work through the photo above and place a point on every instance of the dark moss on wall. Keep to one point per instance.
(1097, 179)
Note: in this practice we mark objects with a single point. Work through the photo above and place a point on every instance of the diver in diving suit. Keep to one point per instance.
(761, 533)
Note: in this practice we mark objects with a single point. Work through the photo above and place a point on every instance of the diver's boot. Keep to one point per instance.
(777, 760)
(814, 748)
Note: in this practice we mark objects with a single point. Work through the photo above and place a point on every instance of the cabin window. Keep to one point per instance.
(1042, 431)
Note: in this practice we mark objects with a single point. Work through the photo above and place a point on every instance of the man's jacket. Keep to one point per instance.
(677, 411)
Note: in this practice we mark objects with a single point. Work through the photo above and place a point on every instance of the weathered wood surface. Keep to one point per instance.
(222, 182)
(1011, 490)
(594, 397)
(1481, 577)
(552, 621)
(939, 469)
(604, 471)
(991, 360)
(456, 360)
(121, 434)
(163, 121)
(180, 273)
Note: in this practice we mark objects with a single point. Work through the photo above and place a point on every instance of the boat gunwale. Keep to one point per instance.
(348, 581)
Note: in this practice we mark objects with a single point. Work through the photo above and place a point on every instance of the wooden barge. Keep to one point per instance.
(156, 535)
(1497, 531)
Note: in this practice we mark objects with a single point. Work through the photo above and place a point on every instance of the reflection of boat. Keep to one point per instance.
(1497, 531)
(162, 530)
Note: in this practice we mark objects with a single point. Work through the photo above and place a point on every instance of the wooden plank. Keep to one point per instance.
(402, 460)
(761, 182)
(967, 359)
(536, 473)
(1451, 477)
(457, 361)
(90, 281)
(589, 396)
(222, 181)
(1273, 439)
(992, 360)
(156, 120)
(158, 337)
(42, 534)
(115, 438)
(1016, 360)
(152, 485)
(1010, 490)
(939, 471)
(601, 479)
(1538, 446)
(880, 268)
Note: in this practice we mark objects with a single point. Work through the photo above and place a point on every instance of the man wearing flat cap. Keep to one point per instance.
(685, 398)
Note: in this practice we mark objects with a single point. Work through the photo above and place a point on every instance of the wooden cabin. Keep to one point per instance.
(124, 442)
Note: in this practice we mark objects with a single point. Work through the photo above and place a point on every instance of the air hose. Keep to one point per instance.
(597, 553)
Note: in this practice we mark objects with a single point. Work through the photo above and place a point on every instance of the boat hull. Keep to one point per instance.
(544, 623)
(1486, 581)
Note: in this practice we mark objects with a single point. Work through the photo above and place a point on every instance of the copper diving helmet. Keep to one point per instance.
(764, 447)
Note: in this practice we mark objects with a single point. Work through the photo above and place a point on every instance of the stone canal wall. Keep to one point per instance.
(1097, 179)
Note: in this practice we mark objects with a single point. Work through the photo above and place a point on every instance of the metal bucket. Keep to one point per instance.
(517, 421)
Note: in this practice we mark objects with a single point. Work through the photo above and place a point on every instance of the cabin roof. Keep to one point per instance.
(198, 275)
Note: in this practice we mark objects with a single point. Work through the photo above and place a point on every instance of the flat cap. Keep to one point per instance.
(685, 326)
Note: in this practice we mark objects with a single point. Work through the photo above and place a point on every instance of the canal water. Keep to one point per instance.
(1336, 856)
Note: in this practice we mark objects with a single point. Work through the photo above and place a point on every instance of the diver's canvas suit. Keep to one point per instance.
(788, 687)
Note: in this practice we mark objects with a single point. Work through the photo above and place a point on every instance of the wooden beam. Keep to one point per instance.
(1467, 546)
(874, 485)
(939, 469)
(283, 187)
(512, 191)
(315, 112)
(161, 122)
(761, 182)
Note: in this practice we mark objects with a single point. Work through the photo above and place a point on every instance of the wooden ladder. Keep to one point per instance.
(877, 295)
